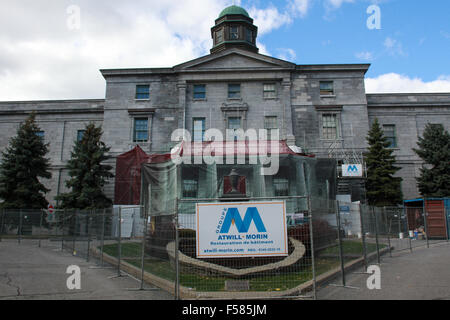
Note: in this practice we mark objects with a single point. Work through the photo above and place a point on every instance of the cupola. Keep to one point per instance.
(234, 29)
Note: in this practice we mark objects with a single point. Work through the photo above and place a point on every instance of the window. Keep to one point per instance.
(249, 35)
(198, 129)
(281, 187)
(326, 88)
(199, 91)
(140, 130)
(330, 125)
(270, 91)
(389, 133)
(143, 92)
(234, 123)
(234, 91)
(270, 124)
(234, 33)
(80, 135)
(190, 188)
(190, 182)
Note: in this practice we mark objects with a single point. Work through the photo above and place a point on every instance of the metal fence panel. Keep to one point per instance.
(325, 237)
(245, 276)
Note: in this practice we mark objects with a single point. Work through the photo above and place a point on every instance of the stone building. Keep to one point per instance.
(323, 109)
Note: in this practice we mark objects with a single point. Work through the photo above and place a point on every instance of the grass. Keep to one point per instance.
(351, 248)
(278, 281)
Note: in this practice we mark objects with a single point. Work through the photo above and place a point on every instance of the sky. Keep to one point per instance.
(52, 50)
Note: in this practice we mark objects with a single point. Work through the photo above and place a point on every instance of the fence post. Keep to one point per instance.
(62, 228)
(407, 227)
(74, 233)
(2, 224)
(425, 218)
(102, 241)
(177, 262)
(388, 231)
(363, 236)
(40, 227)
(376, 236)
(20, 226)
(341, 253)
(311, 240)
(446, 224)
(119, 248)
(144, 214)
(88, 219)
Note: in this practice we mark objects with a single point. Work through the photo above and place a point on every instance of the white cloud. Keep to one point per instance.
(41, 58)
(394, 47)
(364, 55)
(397, 83)
(299, 7)
(262, 48)
(286, 54)
(269, 19)
(335, 4)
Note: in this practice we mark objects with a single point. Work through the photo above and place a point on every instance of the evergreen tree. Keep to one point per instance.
(88, 173)
(434, 150)
(383, 189)
(23, 164)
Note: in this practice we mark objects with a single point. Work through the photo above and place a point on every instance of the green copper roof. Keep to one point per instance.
(234, 10)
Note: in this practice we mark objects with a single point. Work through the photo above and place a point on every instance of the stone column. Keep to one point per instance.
(286, 131)
(182, 88)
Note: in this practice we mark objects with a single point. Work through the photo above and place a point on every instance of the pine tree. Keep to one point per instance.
(382, 188)
(88, 173)
(434, 150)
(23, 164)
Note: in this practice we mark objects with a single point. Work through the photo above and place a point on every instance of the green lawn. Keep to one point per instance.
(276, 282)
(352, 248)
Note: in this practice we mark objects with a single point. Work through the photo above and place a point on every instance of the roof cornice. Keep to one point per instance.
(333, 67)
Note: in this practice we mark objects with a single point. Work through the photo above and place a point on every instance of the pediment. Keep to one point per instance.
(234, 59)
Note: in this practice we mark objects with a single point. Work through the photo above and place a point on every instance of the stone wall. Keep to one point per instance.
(409, 113)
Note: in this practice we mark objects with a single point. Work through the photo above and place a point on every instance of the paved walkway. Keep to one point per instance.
(423, 274)
(29, 272)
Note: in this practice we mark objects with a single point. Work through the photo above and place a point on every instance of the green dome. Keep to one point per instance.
(234, 10)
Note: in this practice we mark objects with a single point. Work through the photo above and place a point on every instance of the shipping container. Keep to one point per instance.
(436, 211)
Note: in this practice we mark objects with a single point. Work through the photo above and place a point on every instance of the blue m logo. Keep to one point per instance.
(352, 168)
(234, 217)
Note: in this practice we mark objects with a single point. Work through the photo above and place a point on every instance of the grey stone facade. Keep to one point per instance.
(297, 104)
(409, 113)
(60, 122)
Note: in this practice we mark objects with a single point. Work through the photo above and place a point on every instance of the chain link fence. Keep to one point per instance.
(326, 240)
